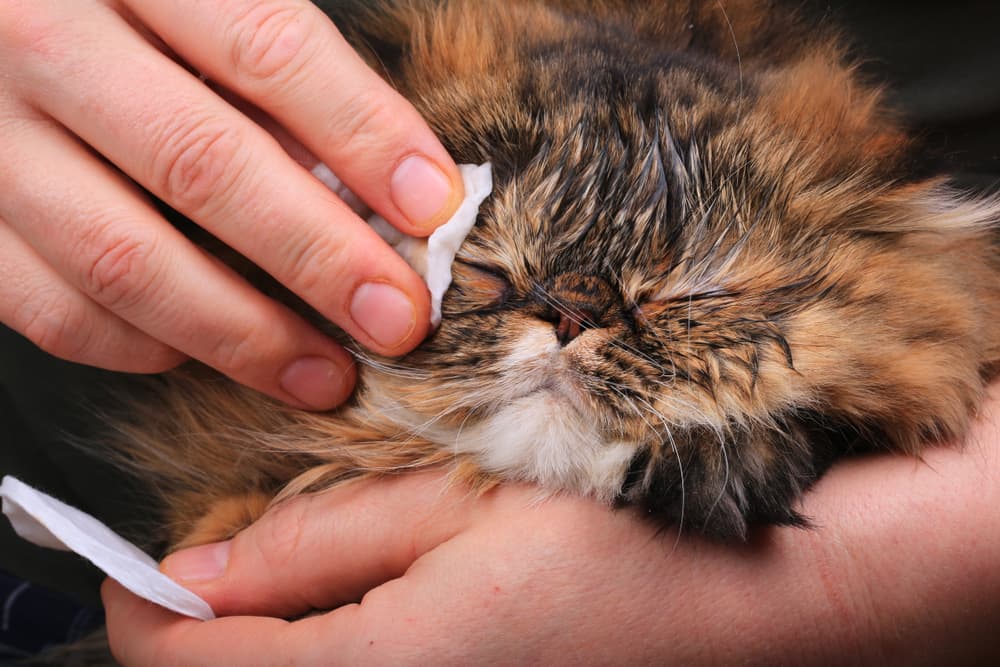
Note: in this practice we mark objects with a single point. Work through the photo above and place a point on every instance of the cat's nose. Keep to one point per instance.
(568, 328)
(574, 303)
(571, 323)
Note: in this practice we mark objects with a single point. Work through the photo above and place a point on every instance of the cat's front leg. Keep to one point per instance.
(225, 517)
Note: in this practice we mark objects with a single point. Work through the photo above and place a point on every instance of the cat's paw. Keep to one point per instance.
(225, 517)
(720, 483)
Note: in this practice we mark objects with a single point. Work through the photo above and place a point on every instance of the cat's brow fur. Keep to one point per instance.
(709, 267)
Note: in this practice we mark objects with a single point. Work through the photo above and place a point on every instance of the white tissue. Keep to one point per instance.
(47, 522)
(431, 257)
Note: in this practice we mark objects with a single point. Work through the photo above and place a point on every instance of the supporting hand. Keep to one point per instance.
(900, 569)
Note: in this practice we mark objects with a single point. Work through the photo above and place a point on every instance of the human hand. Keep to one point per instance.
(92, 273)
(900, 569)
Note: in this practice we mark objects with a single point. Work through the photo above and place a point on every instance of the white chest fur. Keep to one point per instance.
(540, 432)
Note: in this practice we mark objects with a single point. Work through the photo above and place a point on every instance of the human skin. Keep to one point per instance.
(899, 568)
(92, 273)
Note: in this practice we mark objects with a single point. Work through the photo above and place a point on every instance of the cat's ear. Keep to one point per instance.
(934, 206)
(836, 124)
(873, 208)
(848, 160)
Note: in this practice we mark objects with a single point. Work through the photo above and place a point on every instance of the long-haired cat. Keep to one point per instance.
(708, 268)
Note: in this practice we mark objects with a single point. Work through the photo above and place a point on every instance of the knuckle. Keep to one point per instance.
(270, 42)
(119, 269)
(54, 325)
(278, 538)
(363, 124)
(240, 355)
(312, 265)
(196, 164)
(30, 32)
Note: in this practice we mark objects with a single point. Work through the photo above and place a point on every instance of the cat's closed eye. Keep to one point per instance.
(476, 287)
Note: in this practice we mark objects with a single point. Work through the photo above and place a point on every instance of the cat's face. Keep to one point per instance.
(693, 285)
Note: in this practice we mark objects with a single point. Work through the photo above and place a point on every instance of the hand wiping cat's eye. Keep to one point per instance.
(98, 96)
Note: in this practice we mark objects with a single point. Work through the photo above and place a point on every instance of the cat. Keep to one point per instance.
(709, 267)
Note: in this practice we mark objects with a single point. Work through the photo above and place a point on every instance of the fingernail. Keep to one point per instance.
(422, 192)
(315, 381)
(198, 564)
(384, 312)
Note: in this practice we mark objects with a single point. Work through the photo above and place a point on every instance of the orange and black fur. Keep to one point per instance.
(708, 268)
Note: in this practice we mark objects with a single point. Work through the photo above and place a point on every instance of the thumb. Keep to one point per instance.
(323, 550)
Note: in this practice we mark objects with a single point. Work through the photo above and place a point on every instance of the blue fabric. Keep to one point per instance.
(33, 618)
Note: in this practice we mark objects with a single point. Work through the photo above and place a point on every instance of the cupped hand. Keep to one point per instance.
(899, 569)
(97, 95)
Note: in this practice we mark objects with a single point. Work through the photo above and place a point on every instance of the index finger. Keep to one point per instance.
(289, 59)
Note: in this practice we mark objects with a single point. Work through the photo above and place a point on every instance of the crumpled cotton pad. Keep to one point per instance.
(47, 522)
(430, 257)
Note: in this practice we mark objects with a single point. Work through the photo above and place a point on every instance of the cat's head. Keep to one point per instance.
(697, 280)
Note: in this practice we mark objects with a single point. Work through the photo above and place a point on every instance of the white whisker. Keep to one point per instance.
(739, 58)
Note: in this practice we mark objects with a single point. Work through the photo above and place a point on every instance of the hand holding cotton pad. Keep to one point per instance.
(431, 257)
(47, 522)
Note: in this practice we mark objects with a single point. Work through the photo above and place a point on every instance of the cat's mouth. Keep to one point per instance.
(563, 390)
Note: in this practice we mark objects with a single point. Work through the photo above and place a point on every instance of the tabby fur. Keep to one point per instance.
(710, 266)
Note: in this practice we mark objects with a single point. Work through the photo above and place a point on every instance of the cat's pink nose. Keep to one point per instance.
(575, 303)
(570, 326)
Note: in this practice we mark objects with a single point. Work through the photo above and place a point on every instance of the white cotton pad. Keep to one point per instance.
(430, 257)
(47, 522)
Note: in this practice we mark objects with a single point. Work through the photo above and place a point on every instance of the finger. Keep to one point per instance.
(287, 57)
(142, 633)
(105, 239)
(210, 162)
(323, 550)
(36, 302)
